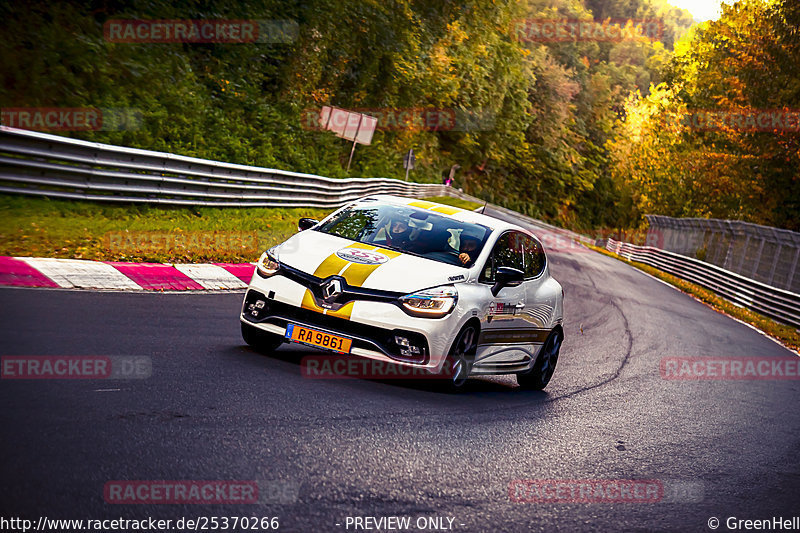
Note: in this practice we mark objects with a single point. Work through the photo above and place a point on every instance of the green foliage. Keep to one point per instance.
(745, 62)
(539, 113)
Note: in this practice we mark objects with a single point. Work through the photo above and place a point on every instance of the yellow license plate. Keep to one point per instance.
(317, 338)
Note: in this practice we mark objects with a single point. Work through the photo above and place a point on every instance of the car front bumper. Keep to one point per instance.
(271, 304)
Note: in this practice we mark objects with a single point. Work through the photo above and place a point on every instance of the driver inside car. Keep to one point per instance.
(399, 234)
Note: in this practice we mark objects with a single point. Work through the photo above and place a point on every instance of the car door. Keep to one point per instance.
(505, 335)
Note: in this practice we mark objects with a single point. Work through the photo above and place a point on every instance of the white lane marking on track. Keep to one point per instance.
(77, 273)
(211, 276)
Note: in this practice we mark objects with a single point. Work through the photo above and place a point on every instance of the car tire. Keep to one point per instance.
(539, 376)
(260, 340)
(462, 354)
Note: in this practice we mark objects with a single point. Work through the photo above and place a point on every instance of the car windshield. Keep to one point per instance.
(410, 230)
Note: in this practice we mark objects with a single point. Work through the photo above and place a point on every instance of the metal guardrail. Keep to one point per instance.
(765, 254)
(770, 301)
(41, 164)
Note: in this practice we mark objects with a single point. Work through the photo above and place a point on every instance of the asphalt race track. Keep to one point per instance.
(214, 409)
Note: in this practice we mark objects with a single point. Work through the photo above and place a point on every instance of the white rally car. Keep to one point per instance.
(411, 282)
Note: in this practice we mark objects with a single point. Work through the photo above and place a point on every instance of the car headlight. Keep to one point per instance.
(267, 265)
(430, 303)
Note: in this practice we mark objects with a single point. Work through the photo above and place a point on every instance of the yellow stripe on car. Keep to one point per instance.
(333, 264)
(355, 274)
(422, 204)
(446, 209)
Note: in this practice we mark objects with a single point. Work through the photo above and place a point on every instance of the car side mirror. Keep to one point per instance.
(507, 277)
(306, 223)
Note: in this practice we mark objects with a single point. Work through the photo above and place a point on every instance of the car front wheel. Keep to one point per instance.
(260, 340)
(462, 354)
(539, 376)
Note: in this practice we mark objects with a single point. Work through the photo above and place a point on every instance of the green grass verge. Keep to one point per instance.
(42, 227)
(787, 335)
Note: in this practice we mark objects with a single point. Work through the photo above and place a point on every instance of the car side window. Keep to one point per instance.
(508, 252)
(534, 257)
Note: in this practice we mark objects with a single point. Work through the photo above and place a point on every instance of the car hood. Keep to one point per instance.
(364, 265)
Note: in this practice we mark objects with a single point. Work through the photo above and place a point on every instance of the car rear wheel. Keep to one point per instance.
(462, 354)
(260, 340)
(539, 376)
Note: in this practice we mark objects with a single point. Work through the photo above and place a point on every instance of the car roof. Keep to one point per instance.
(463, 215)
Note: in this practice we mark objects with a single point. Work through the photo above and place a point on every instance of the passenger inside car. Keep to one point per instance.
(468, 249)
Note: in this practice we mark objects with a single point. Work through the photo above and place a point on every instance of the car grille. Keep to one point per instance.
(347, 294)
(364, 336)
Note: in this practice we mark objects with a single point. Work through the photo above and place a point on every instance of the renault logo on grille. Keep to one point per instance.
(332, 289)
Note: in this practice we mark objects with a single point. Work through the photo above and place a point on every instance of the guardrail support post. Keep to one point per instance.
(790, 277)
(775, 263)
(718, 247)
(758, 260)
(744, 254)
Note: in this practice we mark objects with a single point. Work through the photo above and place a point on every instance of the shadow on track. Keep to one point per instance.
(289, 362)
